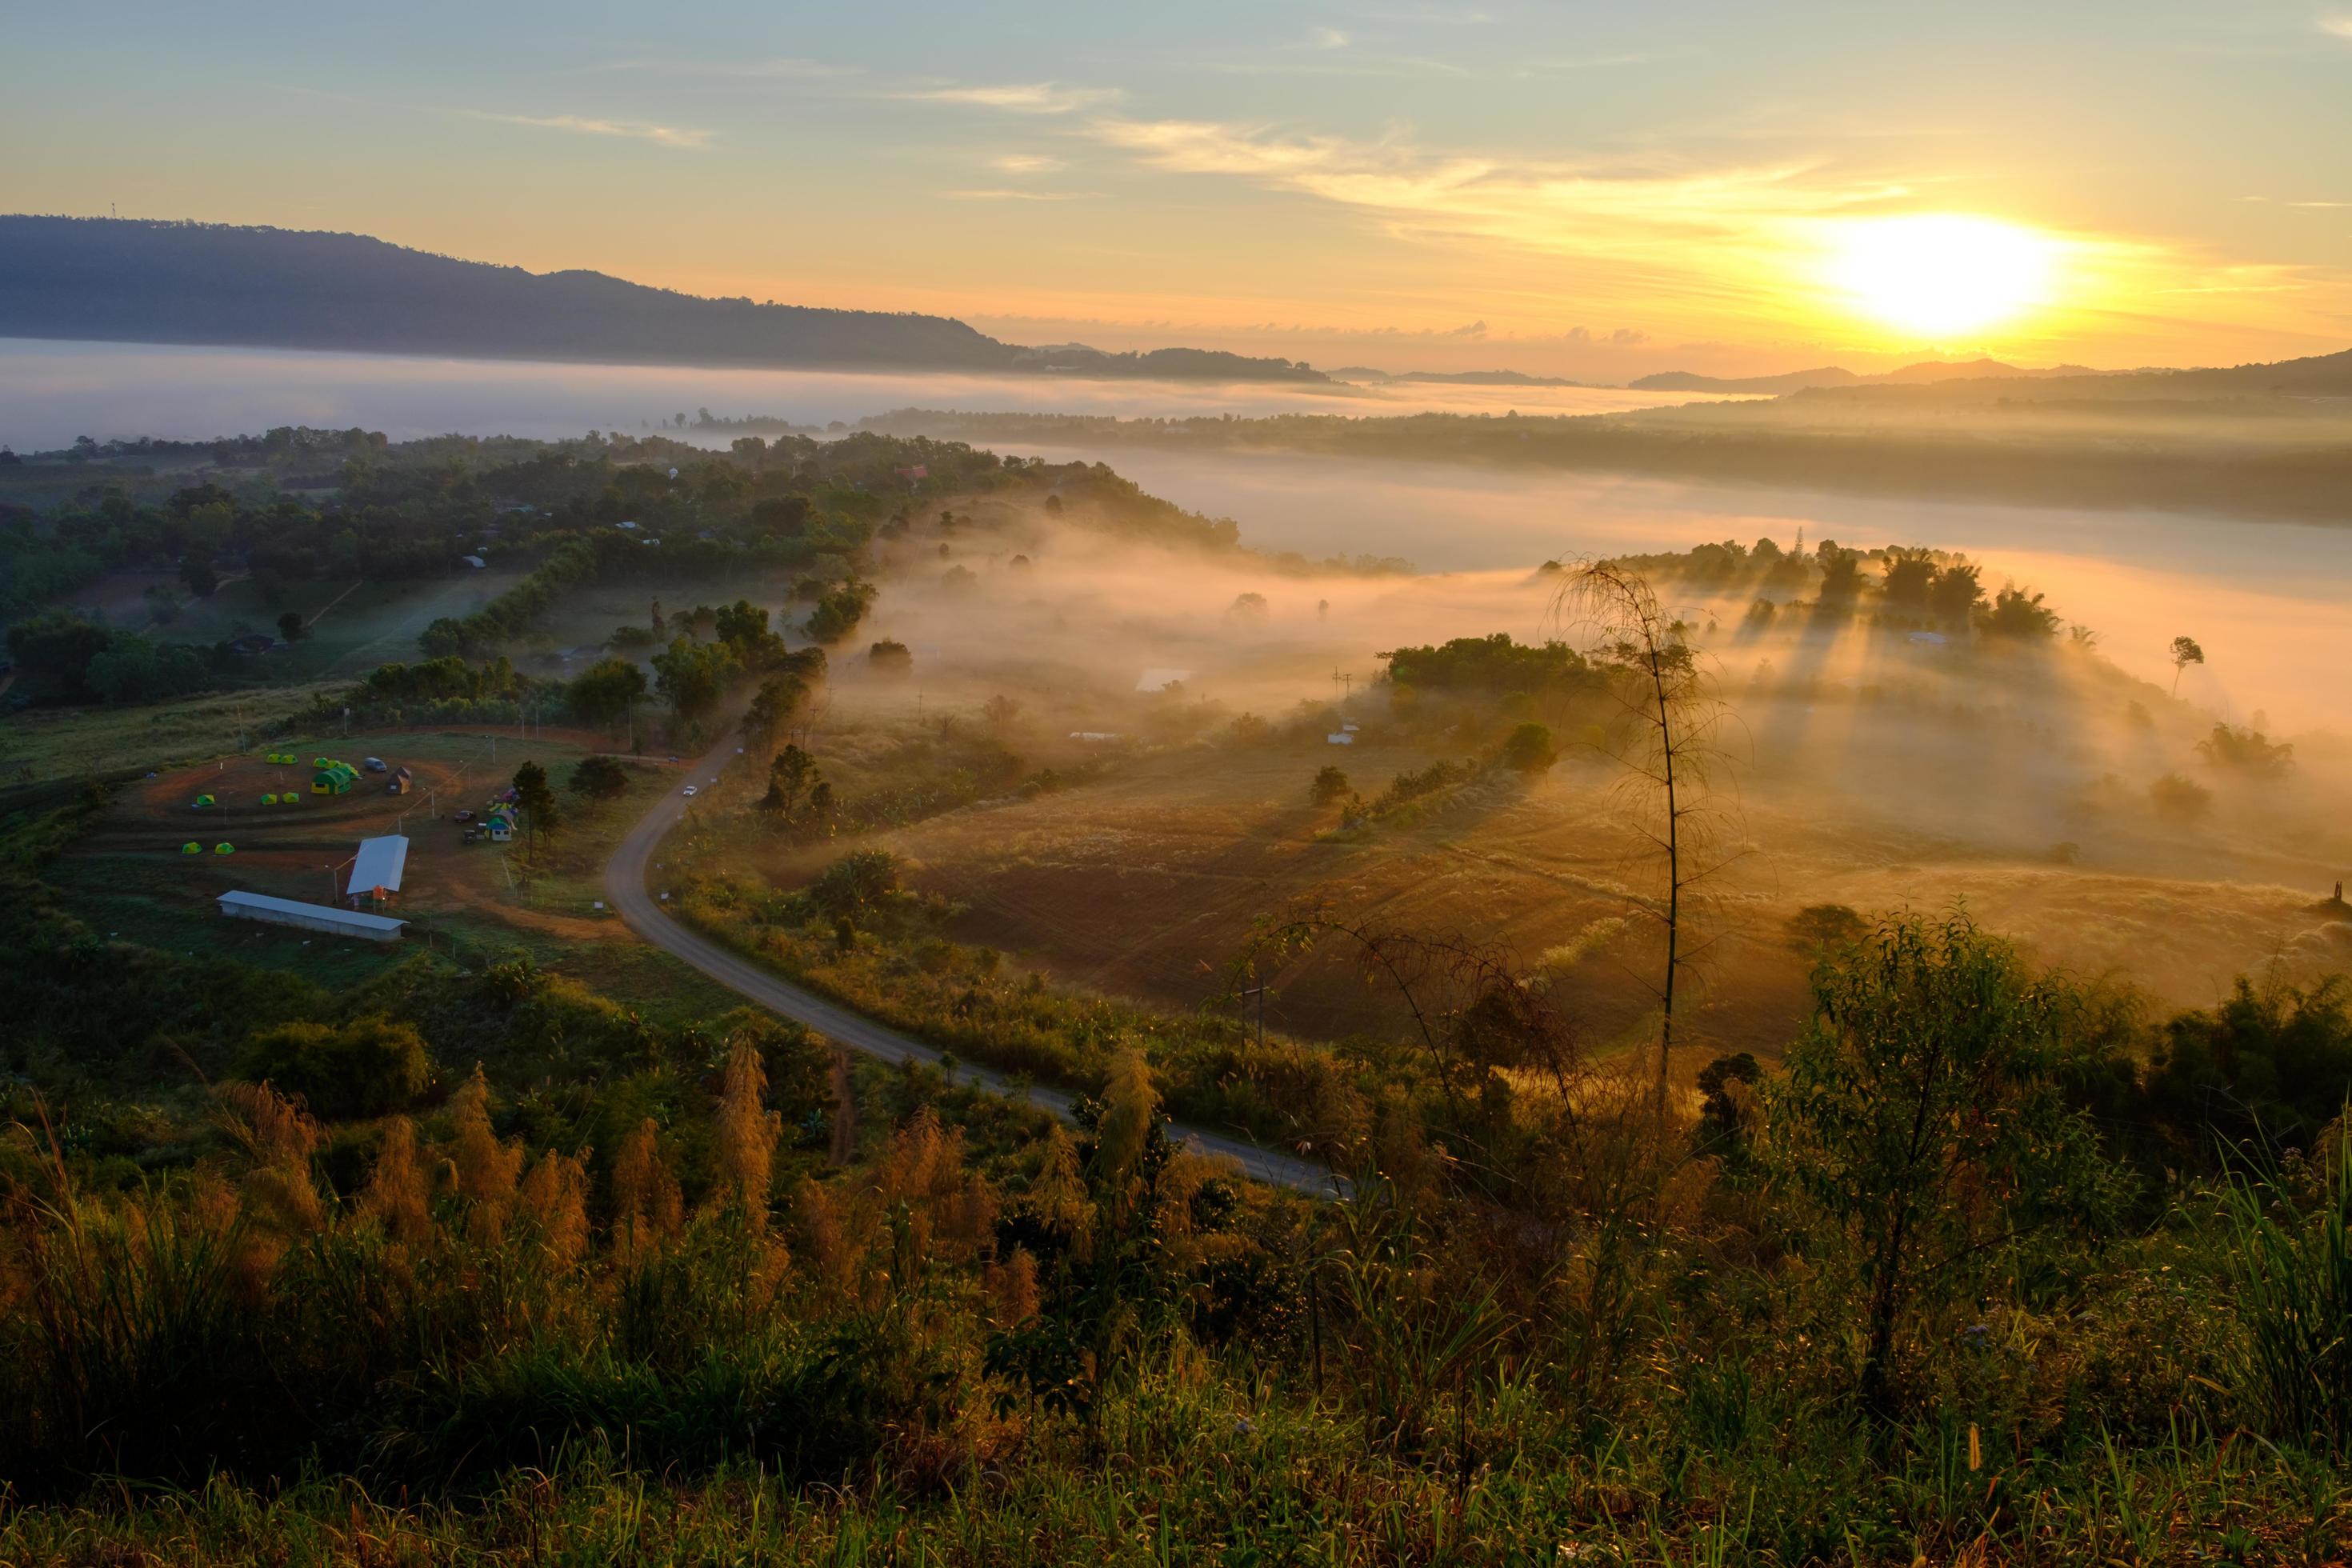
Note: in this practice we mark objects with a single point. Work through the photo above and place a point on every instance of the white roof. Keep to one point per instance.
(1161, 679)
(1341, 739)
(327, 913)
(379, 864)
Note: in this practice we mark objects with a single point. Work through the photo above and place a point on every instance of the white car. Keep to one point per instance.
(689, 789)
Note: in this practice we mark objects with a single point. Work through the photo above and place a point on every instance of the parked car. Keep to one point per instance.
(465, 817)
(374, 764)
(689, 789)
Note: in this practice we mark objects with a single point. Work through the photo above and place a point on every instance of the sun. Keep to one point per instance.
(1937, 274)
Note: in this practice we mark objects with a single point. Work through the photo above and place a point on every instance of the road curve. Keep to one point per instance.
(624, 887)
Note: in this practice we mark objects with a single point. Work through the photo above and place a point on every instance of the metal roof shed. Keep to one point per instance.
(377, 866)
(310, 916)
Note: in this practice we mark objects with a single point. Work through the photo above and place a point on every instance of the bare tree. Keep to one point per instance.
(1668, 741)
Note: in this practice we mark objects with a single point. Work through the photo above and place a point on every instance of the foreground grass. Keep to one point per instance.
(1191, 1467)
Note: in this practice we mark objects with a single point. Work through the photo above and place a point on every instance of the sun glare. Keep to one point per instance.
(1937, 273)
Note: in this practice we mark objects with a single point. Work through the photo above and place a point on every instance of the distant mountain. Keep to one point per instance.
(1791, 380)
(1487, 378)
(1358, 372)
(139, 281)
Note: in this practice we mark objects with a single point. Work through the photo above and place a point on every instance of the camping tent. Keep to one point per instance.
(333, 778)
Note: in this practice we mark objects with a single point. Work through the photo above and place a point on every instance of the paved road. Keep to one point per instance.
(625, 886)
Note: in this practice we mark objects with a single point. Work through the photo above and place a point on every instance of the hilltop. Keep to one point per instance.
(134, 280)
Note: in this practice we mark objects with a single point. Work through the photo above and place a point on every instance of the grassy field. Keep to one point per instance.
(76, 742)
(1143, 883)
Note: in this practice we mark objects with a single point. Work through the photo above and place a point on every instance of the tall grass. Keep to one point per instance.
(2290, 1268)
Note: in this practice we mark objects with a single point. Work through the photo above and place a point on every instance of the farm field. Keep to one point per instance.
(1147, 883)
(129, 877)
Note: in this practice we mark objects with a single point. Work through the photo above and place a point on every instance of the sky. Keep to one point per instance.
(1569, 188)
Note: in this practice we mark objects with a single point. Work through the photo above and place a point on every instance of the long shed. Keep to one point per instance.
(324, 918)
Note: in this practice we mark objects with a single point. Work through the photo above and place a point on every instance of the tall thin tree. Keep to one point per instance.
(1668, 741)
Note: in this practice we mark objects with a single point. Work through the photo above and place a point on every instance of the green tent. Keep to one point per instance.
(223, 849)
(192, 848)
(204, 800)
(269, 799)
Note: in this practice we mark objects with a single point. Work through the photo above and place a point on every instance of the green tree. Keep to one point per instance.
(1329, 784)
(291, 627)
(790, 776)
(537, 800)
(1923, 1117)
(694, 676)
(598, 777)
(196, 572)
(606, 692)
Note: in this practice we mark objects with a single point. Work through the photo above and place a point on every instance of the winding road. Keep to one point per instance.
(625, 886)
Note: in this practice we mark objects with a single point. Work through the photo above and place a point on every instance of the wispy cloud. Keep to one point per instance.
(780, 67)
(1587, 62)
(2339, 25)
(582, 125)
(1327, 38)
(1021, 98)
(1547, 205)
(1026, 163)
(1007, 195)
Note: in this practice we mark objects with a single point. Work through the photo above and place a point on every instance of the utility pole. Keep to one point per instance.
(1258, 992)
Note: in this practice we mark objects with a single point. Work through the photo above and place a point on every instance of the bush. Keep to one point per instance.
(1528, 750)
(856, 881)
(366, 1067)
(2179, 800)
(1329, 784)
(599, 778)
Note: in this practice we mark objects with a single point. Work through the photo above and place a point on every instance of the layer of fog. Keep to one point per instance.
(51, 393)
(2266, 600)
(1861, 743)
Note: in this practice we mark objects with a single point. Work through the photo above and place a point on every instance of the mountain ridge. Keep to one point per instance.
(149, 280)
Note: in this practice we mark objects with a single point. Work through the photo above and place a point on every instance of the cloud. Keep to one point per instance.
(1585, 208)
(1328, 39)
(1589, 62)
(2341, 27)
(1016, 195)
(1027, 163)
(581, 125)
(1030, 98)
(1474, 330)
(781, 68)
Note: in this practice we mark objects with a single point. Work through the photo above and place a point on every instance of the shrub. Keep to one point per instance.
(1329, 784)
(2179, 800)
(856, 881)
(1923, 1116)
(366, 1067)
(1528, 750)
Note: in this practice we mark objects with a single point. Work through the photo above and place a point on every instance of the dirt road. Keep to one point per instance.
(625, 886)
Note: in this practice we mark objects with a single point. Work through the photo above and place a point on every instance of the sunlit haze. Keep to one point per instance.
(1590, 192)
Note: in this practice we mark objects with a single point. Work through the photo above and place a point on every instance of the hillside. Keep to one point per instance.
(140, 282)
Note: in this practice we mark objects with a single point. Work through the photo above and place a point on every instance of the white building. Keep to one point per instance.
(376, 868)
(310, 916)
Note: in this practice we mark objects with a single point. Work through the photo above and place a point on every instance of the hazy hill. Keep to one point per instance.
(141, 281)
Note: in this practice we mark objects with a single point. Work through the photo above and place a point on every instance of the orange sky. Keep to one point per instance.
(1550, 187)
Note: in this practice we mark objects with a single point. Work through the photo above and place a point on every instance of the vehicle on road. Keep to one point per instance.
(465, 817)
(689, 789)
(374, 764)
